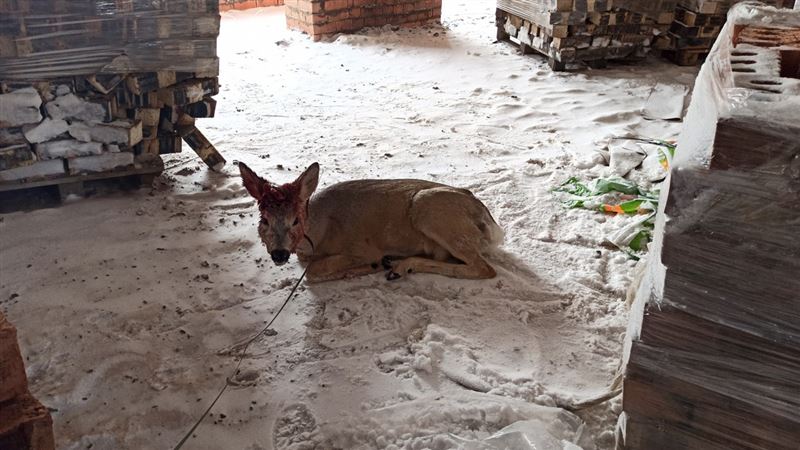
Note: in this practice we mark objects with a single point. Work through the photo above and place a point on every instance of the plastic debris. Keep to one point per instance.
(616, 196)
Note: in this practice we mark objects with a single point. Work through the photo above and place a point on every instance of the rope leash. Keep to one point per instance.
(239, 362)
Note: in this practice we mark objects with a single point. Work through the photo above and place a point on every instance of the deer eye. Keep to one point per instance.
(296, 221)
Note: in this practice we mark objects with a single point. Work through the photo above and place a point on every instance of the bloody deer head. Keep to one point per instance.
(283, 211)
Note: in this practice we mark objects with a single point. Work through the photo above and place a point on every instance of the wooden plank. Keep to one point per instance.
(686, 57)
(679, 388)
(205, 108)
(15, 156)
(202, 146)
(140, 169)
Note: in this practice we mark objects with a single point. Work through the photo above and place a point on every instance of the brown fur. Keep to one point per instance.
(366, 226)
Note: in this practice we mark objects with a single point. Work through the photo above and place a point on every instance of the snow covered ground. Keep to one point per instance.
(131, 308)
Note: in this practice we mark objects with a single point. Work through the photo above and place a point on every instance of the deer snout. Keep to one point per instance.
(280, 257)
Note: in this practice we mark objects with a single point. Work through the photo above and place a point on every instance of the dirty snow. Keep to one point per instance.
(132, 307)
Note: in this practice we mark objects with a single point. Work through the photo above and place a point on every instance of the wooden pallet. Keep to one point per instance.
(686, 57)
(30, 194)
(562, 44)
(682, 30)
(695, 19)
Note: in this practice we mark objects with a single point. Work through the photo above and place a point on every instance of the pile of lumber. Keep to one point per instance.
(591, 31)
(713, 357)
(696, 27)
(42, 39)
(24, 423)
(103, 87)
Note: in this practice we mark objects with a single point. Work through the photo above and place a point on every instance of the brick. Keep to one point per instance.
(324, 18)
(13, 381)
(25, 425)
(227, 5)
(333, 5)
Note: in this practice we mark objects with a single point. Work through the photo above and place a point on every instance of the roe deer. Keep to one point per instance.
(365, 226)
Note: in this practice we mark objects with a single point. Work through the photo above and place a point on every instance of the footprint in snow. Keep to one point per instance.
(295, 425)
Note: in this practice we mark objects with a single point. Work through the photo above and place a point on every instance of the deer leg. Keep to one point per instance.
(450, 219)
(478, 269)
(337, 267)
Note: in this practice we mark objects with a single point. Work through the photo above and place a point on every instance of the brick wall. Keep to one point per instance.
(320, 18)
(225, 5)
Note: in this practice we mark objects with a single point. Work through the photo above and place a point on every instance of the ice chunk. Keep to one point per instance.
(100, 163)
(118, 132)
(40, 169)
(20, 107)
(71, 107)
(67, 148)
(46, 130)
(62, 89)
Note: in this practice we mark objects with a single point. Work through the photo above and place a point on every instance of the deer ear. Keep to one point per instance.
(252, 182)
(308, 181)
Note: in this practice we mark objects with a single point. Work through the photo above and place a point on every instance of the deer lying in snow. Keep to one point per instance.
(365, 226)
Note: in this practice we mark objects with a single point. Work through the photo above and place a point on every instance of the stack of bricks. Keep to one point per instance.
(24, 423)
(590, 31)
(713, 357)
(103, 87)
(696, 27)
(227, 5)
(322, 18)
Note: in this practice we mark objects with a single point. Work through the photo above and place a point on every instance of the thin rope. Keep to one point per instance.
(239, 362)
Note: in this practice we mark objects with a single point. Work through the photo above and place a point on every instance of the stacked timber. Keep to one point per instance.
(696, 27)
(42, 39)
(24, 423)
(99, 87)
(591, 31)
(713, 359)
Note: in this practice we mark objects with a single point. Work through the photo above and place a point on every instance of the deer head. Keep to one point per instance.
(282, 210)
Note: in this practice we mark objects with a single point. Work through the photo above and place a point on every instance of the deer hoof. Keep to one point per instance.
(391, 276)
(386, 262)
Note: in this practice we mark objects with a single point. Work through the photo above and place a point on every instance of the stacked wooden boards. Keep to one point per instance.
(713, 359)
(103, 87)
(42, 39)
(592, 31)
(696, 27)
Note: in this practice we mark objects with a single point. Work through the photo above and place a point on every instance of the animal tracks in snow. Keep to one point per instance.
(294, 428)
